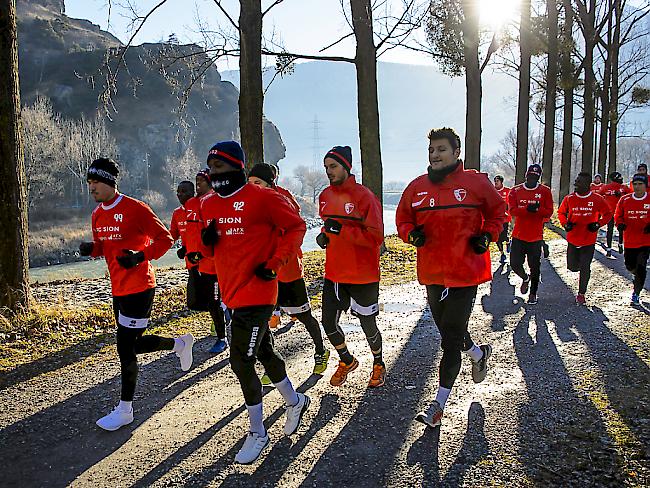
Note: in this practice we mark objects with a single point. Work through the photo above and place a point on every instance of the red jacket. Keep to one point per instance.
(635, 214)
(463, 205)
(597, 187)
(582, 210)
(292, 271)
(353, 255)
(609, 193)
(255, 225)
(193, 234)
(529, 226)
(127, 223)
(504, 192)
(178, 229)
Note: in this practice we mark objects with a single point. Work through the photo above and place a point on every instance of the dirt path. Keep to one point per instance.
(565, 403)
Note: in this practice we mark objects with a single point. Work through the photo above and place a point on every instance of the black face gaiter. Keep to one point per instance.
(437, 175)
(228, 183)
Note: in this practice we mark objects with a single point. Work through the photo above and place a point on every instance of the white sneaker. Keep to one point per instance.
(252, 448)
(185, 354)
(295, 413)
(116, 419)
(480, 367)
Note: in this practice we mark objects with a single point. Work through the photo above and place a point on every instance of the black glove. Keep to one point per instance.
(180, 252)
(194, 257)
(265, 273)
(130, 259)
(332, 226)
(621, 227)
(617, 193)
(322, 240)
(480, 243)
(417, 237)
(86, 248)
(209, 235)
(533, 207)
(593, 226)
(569, 226)
(646, 229)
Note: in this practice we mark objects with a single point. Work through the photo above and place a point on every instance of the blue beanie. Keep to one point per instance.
(229, 152)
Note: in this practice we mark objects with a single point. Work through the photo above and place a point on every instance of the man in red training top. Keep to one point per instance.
(503, 191)
(206, 296)
(531, 204)
(352, 233)
(581, 214)
(292, 291)
(641, 169)
(451, 215)
(129, 235)
(612, 192)
(633, 219)
(597, 184)
(252, 233)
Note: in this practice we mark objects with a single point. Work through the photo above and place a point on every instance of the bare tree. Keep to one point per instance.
(14, 283)
(180, 168)
(551, 89)
(523, 105)
(568, 82)
(312, 181)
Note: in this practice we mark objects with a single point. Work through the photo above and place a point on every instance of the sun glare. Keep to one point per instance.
(497, 13)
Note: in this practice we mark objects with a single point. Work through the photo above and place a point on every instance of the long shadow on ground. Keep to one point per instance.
(501, 301)
(561, 434)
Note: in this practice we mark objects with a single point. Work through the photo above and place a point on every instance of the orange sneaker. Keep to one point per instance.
(378, 376)
(341, 373)
(274, 321)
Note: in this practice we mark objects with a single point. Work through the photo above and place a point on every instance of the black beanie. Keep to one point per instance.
(104, 170)
(229, 152)
(642, 178)
(264, 172)
(342, 155)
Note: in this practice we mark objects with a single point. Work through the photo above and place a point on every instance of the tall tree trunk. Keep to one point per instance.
(568, 82)
(14, 283)
(368, 104)
(251, 96)
(473, 84)
(523, 111)
(551, 87)
(604, 96)
(589, 25)
(614, 95)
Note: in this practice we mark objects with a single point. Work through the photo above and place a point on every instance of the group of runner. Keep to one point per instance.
(240, 238)
(582, 213)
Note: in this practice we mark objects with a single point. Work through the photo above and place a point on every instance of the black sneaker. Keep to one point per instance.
(524, 286)
(532, 299)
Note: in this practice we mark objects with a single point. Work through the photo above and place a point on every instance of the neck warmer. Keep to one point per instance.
(437, 175)
(228, 183)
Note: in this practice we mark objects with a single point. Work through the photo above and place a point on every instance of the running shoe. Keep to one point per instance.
(580, 299)
(532, 299)
(502, 260)
(320, 362)
(185, 354)
(274, 321)
(635, 299)
(119, 417)
(524, 286)
(341, 373)
(378, 376)
(252, 448)
(266, 381)
(220, 346)
(432, 416)
(295, 413)
(480, 367)
(608, 254)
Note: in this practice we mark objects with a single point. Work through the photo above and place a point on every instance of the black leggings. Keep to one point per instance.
(579, 259)
(519, 251)
(313, 328)
(130, 343)
(451, 309)
(363, 299)
(636, 260)
(610, 234)
(252, 340)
